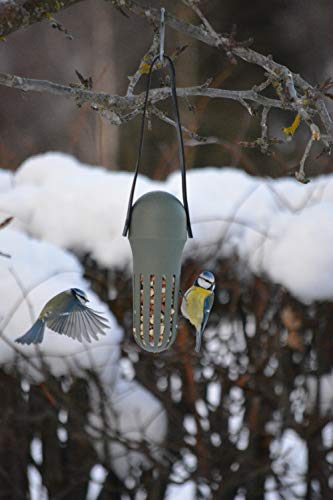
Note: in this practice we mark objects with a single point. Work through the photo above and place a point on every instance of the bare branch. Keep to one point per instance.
(17, 14)
(315, 136)
(293, 92)
(263, 123)
(144, 65)
(2, 254)
(276, 71)
(165, 118)
(130, 102)
(5, 222)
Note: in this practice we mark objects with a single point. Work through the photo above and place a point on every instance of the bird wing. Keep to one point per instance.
(208, 304)
(183, 306)
(78, 321)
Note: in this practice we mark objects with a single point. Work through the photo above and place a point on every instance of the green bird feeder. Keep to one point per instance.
(157, 226)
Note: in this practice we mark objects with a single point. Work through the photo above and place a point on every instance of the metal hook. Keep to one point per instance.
(162, 35)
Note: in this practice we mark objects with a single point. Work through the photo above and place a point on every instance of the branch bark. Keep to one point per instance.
(17, 14)
(126, 104)
(210, 37)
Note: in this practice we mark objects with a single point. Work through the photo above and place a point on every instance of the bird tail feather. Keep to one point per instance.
(198, 341)
(33, 336)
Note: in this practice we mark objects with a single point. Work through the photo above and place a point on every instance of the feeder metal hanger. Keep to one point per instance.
(162, 35)
(157, 225)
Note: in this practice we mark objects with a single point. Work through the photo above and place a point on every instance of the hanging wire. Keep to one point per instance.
(162, 57)
(162, 35)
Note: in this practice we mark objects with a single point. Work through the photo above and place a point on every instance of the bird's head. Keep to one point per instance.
(80, 295)
(206, 280)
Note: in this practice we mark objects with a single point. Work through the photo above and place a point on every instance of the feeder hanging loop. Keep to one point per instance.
(180, 143)
(162, 35)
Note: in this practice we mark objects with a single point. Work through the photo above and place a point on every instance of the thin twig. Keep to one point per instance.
(144, 65)
(264, 130)
(300, 175)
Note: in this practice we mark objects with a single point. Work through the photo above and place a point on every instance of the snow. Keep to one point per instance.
(214, 390)
(325, 396)
(290, 462)
(278, 228)
(72, 205)
(37, 490)
(6, 179)
(181, 491)
(327, 437)
(98, 475)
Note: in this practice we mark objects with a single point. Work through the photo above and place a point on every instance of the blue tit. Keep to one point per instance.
(197, 303)
(67, 314)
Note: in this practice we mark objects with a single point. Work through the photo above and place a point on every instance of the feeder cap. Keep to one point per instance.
(158, 215)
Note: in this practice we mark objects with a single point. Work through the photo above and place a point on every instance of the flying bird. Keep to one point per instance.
(67, 314)
(197, 303)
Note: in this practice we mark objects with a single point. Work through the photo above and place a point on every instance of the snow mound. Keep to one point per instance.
(278, 228)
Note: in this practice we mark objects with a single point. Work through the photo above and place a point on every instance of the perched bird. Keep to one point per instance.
(197, 303)
(67, 314)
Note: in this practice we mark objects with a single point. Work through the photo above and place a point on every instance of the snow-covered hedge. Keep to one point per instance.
(275, 229)
(279, 228)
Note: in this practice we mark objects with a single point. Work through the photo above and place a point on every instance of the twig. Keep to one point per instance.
(165, 118)
(5, 223)
(232, 220)
(264, 141)
(315, 136)
(144, 65)
(15, 14)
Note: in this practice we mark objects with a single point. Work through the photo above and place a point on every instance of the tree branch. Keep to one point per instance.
(293, 92)
(116, 103)
(276, 71)
(17, 14)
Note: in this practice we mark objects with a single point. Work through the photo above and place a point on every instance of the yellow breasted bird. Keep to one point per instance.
(197, 303)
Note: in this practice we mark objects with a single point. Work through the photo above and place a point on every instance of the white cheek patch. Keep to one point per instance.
(203, 283)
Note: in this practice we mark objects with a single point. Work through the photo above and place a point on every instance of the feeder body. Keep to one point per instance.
(157, 236)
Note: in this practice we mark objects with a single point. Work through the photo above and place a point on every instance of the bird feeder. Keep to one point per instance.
(157, 236)
(157, 226)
